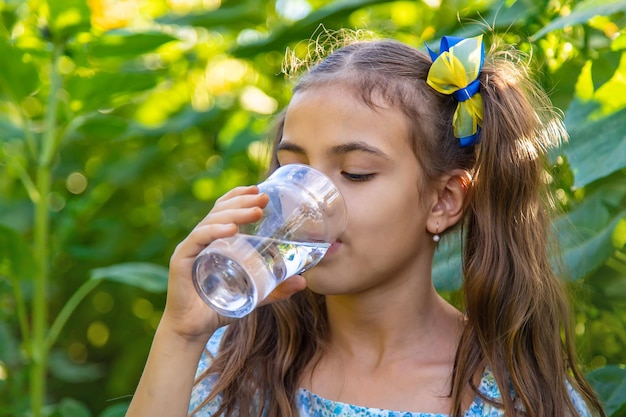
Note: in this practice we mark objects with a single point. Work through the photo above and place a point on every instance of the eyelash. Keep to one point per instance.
(357, 177)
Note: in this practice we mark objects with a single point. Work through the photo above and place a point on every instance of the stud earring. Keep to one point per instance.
(436, 237)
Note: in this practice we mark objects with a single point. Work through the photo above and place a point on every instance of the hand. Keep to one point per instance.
(185, 312)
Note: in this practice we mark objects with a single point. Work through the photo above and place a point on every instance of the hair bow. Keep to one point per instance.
(455, 71)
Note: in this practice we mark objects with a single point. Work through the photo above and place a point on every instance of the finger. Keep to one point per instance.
(201, 237)
(286, 289)
(221, 212)
(237, 216)
(249, 190)
(245, 200)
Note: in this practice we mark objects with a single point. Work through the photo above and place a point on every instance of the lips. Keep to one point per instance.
(334, 247)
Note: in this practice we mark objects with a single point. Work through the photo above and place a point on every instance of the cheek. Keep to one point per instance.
(385, 211)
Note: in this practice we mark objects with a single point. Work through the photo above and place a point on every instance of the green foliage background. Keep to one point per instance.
(121, 121)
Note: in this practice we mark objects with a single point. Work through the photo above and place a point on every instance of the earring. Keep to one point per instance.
(436, 236)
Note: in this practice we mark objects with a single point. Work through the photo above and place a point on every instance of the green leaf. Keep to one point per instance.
(241, 142)
(88, 94)
(502, 15)
(69, 407)
(566, 78)
(609, 383)
(619, 42)
(149, 277)
(610, 281)
(68, 17)
(176, 123)
(103, 127)
(591, 251)
(8, 16)
(584, 234)
(122, 43)
(18, 74)
(9, 131)
(334, 12)
(604, 67)
(243, 15)
(597, 148)
(447, 265)
(116, 410)
(9, 348)
(16, 258)
(583, 12)
(62, 368)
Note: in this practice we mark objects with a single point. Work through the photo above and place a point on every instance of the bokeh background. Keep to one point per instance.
(121, 121)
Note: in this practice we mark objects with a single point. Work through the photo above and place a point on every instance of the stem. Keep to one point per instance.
(68, 309)
(29, 138)
(21, 314)
(51, 143)
(617, 264)
(38, 347)
(27, 182)
(31, 142)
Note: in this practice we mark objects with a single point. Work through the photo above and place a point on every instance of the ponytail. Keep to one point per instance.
(517, 315)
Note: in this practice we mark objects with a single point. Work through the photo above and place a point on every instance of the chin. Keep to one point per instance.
(324, 283)
(317, 281)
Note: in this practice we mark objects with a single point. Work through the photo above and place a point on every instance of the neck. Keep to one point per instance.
(392, 324)
(395, 353)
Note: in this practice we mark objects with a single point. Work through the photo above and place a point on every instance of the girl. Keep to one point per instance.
(418, 145)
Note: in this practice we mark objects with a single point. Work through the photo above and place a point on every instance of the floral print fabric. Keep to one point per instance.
(312, 405)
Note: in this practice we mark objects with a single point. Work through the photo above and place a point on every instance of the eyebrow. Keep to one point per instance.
(342, 149)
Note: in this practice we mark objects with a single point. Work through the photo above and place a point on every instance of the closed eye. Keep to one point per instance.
(357, 177)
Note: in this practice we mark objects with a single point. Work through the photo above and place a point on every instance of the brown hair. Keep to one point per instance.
(517, 316)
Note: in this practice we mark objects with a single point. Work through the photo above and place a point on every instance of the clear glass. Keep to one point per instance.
(306, 213)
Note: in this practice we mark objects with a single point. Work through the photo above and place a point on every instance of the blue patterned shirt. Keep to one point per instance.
(312, 405)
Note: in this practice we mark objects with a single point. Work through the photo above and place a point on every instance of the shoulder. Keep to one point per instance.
(204, 386)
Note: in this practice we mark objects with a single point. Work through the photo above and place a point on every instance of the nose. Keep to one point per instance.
(325, 168)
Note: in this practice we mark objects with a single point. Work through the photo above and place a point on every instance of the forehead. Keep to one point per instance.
(330, 114)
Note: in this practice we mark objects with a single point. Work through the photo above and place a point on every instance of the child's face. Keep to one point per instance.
(367, 154)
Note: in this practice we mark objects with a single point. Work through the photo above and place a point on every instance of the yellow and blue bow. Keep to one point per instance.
(455, 71)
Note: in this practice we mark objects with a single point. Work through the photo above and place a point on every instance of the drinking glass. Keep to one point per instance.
(306, 213)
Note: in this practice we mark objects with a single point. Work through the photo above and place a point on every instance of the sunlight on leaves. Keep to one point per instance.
(293, 9)
(186, 6)
(260, 153)
(404, 13)
(619, 235)
(255, 100)
(612, 95)
(113, 14)
(581, 14)
(163, 105)
(584, 84)
(619, 42)
(223, 73)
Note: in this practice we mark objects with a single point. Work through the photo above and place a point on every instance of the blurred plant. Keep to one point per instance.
(122, 121)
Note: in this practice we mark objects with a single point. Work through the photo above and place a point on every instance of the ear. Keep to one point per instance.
(447, 209)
